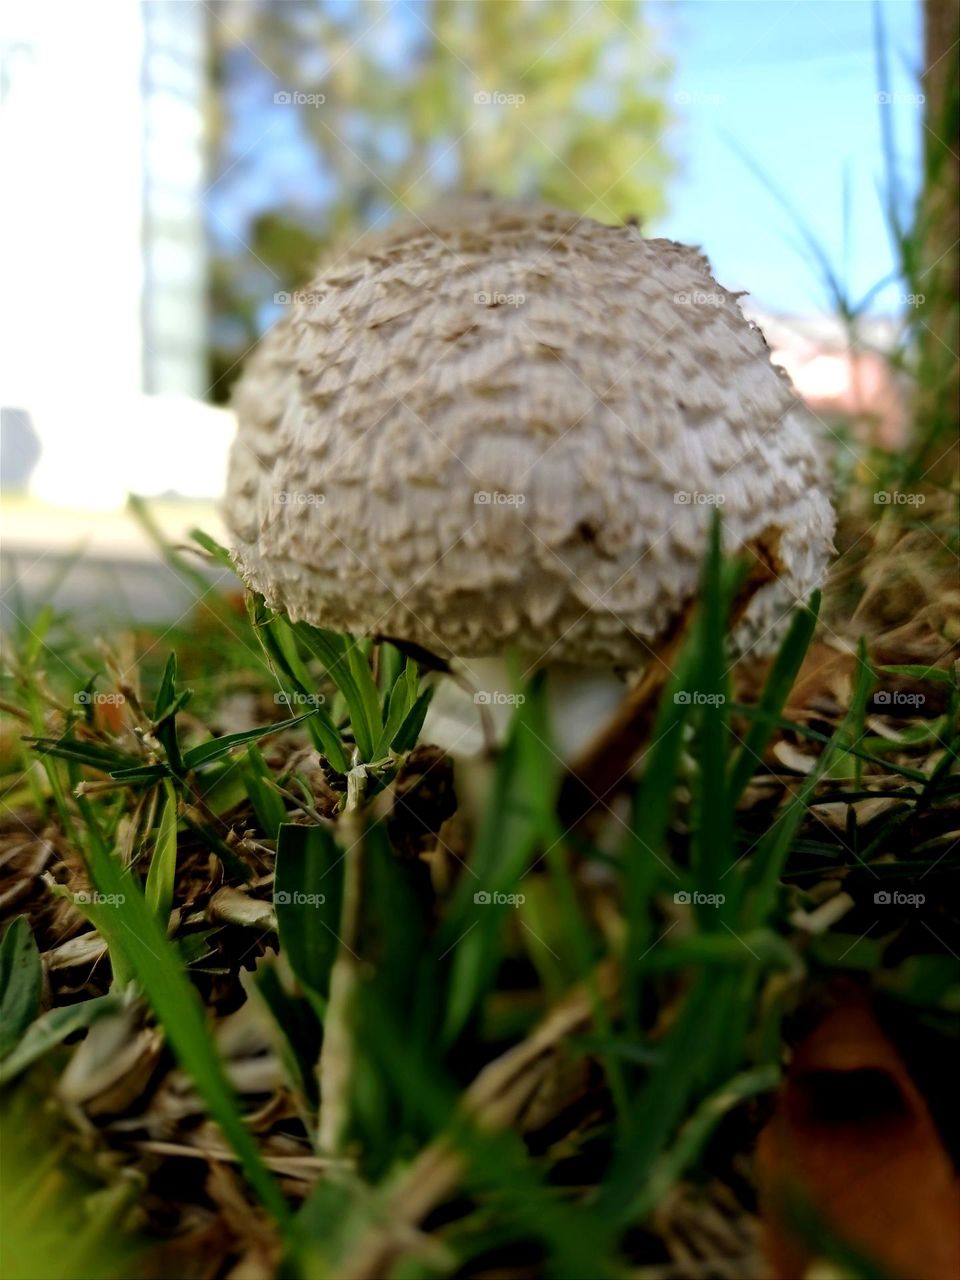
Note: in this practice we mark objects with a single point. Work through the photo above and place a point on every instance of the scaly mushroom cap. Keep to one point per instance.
(502, 424)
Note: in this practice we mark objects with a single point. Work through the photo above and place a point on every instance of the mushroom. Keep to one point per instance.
(502, 427)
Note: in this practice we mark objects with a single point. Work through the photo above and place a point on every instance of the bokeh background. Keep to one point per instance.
(174, 168)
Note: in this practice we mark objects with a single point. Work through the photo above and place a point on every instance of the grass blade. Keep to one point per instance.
(776, 690)
(52, 1028)
(267, 805)
(343, 660)
(158, 889)
(217, 747)
(510, 830)
(769, 860)
(132, 930)
(397, 706)
(693, 1136)
(95, 757)
(712, 846)
(359, 666)
(164, 714)
(279, 645)
(307, 895)
(406, 736)
(21, 979)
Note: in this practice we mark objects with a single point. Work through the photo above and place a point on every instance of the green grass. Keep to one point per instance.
(659, 956)
(392, 991)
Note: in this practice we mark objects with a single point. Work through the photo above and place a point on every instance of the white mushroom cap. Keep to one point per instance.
(504, 425)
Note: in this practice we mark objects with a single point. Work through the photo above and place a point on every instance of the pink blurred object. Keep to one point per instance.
(838, 382)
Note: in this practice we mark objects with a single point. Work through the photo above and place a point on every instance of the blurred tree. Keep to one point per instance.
(561, 99)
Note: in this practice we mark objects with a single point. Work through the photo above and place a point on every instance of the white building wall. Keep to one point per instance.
(102, 268)
(174, 303)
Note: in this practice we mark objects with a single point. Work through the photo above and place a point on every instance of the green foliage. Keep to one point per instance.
(133, 932)
(308, 888)
(21, 979)
(173, 763)
(515, 822)
(60, 1221)
(51, 1029)
(438, 978)
(557, 100)
(267, 804)
(163, 865)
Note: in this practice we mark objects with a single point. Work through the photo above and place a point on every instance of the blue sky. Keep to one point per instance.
(791, 84)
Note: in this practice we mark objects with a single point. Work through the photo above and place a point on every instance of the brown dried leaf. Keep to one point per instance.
(853, 1137)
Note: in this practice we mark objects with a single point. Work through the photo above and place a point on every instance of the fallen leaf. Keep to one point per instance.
(852, 1140)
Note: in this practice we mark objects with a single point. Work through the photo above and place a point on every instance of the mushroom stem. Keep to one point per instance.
(470, 715)
(336, 1057)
